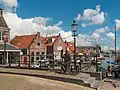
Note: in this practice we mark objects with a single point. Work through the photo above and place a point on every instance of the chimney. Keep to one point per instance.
(1, 12)
(38, 32)
(65, 41)
(38, 35)
(59, 34)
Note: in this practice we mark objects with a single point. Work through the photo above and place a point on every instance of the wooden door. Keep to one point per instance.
(25, 60)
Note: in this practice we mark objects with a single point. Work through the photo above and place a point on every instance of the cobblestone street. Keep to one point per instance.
(17, 82)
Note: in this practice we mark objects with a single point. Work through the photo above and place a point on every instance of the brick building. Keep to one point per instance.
(32, 47)
(54, 45)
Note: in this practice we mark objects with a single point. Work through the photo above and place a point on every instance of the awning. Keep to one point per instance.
(9, 48)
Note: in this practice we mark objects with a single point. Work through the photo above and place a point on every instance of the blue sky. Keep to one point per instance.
(67, 10)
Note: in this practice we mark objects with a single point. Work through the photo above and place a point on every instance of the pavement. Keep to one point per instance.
(110, 84)
(18, 82)
(107, 84)
(79, 79)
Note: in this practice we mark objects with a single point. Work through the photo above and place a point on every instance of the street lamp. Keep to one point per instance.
(97, 52)
(115, 43)
(74, 28)
(5, 40)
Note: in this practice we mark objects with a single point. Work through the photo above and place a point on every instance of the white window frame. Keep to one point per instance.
(1, 36)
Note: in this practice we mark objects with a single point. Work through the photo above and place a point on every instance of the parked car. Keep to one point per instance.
(42, 63)
(37, 65)
(116, 71)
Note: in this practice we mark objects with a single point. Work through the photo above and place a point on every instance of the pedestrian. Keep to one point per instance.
(108, 70)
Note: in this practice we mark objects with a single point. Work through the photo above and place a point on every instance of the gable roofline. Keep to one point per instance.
(4, 28)
(32, 40)
(2, 20)
(69, 46)
(24, 35)
(56, 38)
(51, 44)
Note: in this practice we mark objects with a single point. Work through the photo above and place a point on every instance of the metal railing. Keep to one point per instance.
(45, 61)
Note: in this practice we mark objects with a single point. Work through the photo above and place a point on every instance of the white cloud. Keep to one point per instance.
(102, 30)
(41, 20)
(117, 22)
(9, 5)
(21, 26)
(99, 33)
(92, 16)
(98, 19)
(85, 40)
(111, 35)
(78, 17)
(103, 39)
(83, 25)
(96, 35)
(66, 36)
(59, 23)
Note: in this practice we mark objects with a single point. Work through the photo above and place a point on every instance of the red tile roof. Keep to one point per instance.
(23, 41)
(45, 39)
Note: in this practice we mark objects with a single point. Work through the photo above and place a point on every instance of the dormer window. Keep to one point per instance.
(4, 36)
(49, 40)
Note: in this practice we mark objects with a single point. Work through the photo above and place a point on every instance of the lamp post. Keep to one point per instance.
(74, 28)
(115, 43)
(5, 40)
(96, 58)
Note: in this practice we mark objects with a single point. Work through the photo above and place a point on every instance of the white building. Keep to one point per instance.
(8, 52)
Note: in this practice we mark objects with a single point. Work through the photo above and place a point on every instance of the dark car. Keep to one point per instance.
(116, 71)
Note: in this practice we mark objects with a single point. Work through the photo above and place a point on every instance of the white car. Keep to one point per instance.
(42, 63)
(37, 65)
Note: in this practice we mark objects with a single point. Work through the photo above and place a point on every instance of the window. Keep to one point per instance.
(0, 35)
(37, 58)
(42, 53)
(38, 44)
(32, 53)
(59, 47)
(49, 40)
(24, 51)
(32, 60)
(37, 53)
